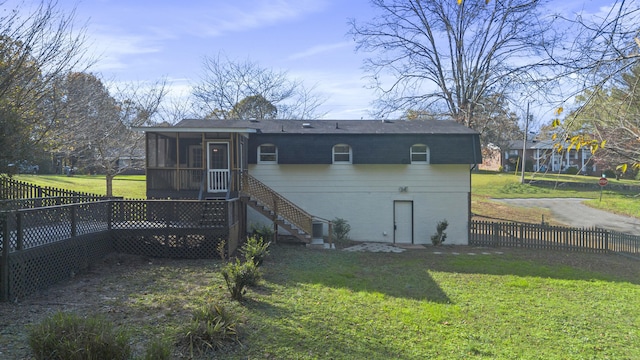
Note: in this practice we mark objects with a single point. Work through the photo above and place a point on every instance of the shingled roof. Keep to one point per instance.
(328, 126)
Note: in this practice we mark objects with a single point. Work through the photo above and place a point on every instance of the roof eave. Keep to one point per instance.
(165, 129)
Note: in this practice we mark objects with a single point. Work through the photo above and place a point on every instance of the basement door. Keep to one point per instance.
(218, 166)
(403, 222)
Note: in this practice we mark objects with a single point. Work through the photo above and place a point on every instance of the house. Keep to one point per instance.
(491, 158)
(391, 180)
(543, 156)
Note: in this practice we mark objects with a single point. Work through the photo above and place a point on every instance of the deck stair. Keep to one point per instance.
(276, 207)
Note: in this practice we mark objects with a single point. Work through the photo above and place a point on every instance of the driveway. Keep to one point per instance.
(572, 212)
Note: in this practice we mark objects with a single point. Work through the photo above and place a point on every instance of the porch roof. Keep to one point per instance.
(200, 126)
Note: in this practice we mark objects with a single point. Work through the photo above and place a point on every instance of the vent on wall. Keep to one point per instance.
(307, 125)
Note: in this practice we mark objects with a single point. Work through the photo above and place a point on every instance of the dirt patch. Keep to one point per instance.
(86, 293)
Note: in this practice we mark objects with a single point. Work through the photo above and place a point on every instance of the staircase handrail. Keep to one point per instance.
(276, 202)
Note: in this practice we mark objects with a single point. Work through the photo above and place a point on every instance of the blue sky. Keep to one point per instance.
(145, 40)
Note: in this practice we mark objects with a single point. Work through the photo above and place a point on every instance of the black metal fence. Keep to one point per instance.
(539, 236)
(11, 189)
(41, 246)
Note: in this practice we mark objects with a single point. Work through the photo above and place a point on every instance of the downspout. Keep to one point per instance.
(475, 164)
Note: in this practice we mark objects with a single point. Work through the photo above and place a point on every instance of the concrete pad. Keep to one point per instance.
(375, 247)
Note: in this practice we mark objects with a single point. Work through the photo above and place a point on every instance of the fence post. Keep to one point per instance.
(521, 240)
(4, 262)
(74, 223)
(496, 231)
(19, 231)
(606, 240)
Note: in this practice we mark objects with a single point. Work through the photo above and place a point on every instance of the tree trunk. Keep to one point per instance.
(109, 178)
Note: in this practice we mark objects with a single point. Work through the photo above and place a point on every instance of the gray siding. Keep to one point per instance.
(369, 148)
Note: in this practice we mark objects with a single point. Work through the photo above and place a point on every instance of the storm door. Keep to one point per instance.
(403, 222)
(218, 167)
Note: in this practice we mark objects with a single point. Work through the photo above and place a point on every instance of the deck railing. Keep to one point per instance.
(277, 203)
(41, 246)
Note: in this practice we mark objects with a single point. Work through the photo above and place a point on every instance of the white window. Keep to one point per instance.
(419, 154)
(267, 154)
(342, 154)
(573, 153)
(195, 156)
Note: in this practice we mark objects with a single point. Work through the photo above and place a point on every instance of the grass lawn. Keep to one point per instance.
(505, 304)
(487, 186)
(311, 304)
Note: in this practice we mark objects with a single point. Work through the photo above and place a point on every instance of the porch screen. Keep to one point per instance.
(161, 151)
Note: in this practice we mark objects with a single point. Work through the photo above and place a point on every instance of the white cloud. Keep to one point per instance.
(346, 97)
(154, 26)
(319, 49)
(211, 22)
(110, 49)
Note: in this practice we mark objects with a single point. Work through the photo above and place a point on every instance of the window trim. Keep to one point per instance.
(334, 153)
(260, 153)
(427, 154)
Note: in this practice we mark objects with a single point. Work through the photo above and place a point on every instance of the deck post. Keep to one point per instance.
(275, 232)
(4, 262)
(19, 231)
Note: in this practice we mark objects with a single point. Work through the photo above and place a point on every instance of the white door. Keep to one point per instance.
(403, 222)
(218, 167)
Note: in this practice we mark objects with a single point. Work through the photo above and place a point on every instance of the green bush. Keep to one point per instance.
(255, 249)
(610, 174)
(158, 349)
(211, 328)
(221, 249)
(571, 170)
(341, 229)
(439, 237)
(239, 275)
(262, 230)
(70, 337)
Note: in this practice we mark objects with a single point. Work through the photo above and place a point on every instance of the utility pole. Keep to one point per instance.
(524, 143)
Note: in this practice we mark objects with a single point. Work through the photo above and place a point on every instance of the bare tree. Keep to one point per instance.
(601, 47)
(599, 63)
(226, 83)
(176, 108)
(97, 128)
(447, 56)
(496, 124)
(36, 47)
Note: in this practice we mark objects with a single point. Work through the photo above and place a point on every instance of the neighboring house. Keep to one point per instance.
(391, 180)
(491, 158)
(542, 156)
(131, 165)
